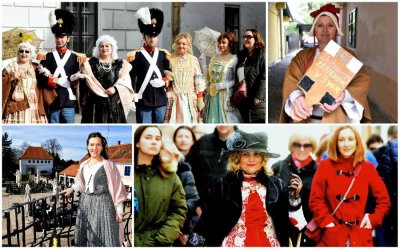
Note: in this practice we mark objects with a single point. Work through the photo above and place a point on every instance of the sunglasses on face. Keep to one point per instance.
(21, 51)
(247, 37)
(305, 146)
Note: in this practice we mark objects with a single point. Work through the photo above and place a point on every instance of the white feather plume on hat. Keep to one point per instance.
(52, 18)
(144, 15)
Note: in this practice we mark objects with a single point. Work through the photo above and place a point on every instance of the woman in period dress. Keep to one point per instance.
(351, 106)
(185, 94)
(247, 207)
(100, 208)
(220, 82)
(22, 99)
(107, 95)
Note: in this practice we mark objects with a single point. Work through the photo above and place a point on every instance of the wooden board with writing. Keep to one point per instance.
(328, 76)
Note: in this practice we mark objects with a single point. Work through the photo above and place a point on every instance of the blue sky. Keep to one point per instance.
(71, 137)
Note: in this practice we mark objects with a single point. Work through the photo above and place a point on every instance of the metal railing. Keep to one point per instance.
(48, 221)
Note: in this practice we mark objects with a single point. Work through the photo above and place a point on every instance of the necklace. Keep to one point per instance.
(106, 66)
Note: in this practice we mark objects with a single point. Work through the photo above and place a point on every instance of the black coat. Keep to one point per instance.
(185, 174)
(152, 97)
(208, 160)
(255, 76)
(192, 196)
(283, 169)
(224, 207)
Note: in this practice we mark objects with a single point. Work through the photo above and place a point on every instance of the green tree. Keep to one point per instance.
(10, 164)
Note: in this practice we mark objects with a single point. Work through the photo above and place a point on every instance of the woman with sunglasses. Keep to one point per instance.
(250, 93)
(299, 162)
(341, 185)
(22, 99)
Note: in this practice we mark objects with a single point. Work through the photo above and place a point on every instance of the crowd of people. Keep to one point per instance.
(218, 190)
(159, 86)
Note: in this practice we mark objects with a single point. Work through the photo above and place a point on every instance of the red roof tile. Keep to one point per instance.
(71, 170)
(36, 153)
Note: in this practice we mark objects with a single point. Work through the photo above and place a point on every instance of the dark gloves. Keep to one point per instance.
(295, 185)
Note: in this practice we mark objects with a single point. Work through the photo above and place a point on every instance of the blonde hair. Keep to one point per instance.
(295, 137)
(333, 150)
(169, 145)
(188, 38)
(234, 162)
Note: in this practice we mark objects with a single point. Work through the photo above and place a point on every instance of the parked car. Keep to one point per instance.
(308, 41)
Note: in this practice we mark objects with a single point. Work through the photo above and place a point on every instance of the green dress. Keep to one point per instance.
(218, 105)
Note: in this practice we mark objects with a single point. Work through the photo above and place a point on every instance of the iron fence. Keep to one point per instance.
(49, 221)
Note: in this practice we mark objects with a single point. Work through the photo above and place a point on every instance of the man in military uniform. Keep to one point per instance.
(59, 70)
(148, 65)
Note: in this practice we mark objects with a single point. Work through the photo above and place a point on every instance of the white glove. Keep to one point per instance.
(240, 73)
(224, 85)
(135, 97)
(220, 86)
(157, 83)
(63, 81)
(77, 76)
(133, 106)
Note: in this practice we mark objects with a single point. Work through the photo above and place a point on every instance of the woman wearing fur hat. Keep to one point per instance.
(349, 107)
(299, 162)
(22, 99)
(247, 207)
(107, 95)
(185, 93)
(161, 198)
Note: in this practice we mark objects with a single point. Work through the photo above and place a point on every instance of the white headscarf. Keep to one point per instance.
(334, 19)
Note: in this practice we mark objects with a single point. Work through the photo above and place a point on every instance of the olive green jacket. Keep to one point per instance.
(162, 207)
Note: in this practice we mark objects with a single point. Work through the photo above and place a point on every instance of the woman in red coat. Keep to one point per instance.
(350, 225)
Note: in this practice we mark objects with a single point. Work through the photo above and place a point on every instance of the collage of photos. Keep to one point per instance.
(157, 124)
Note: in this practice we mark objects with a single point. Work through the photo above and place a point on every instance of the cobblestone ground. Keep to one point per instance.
(275, 83)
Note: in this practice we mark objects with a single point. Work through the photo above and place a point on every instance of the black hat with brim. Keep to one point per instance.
(62, 22)
(258, 142)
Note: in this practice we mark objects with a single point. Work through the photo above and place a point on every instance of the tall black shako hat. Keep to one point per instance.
(62, 22)
(150, 21)
(241, 141)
